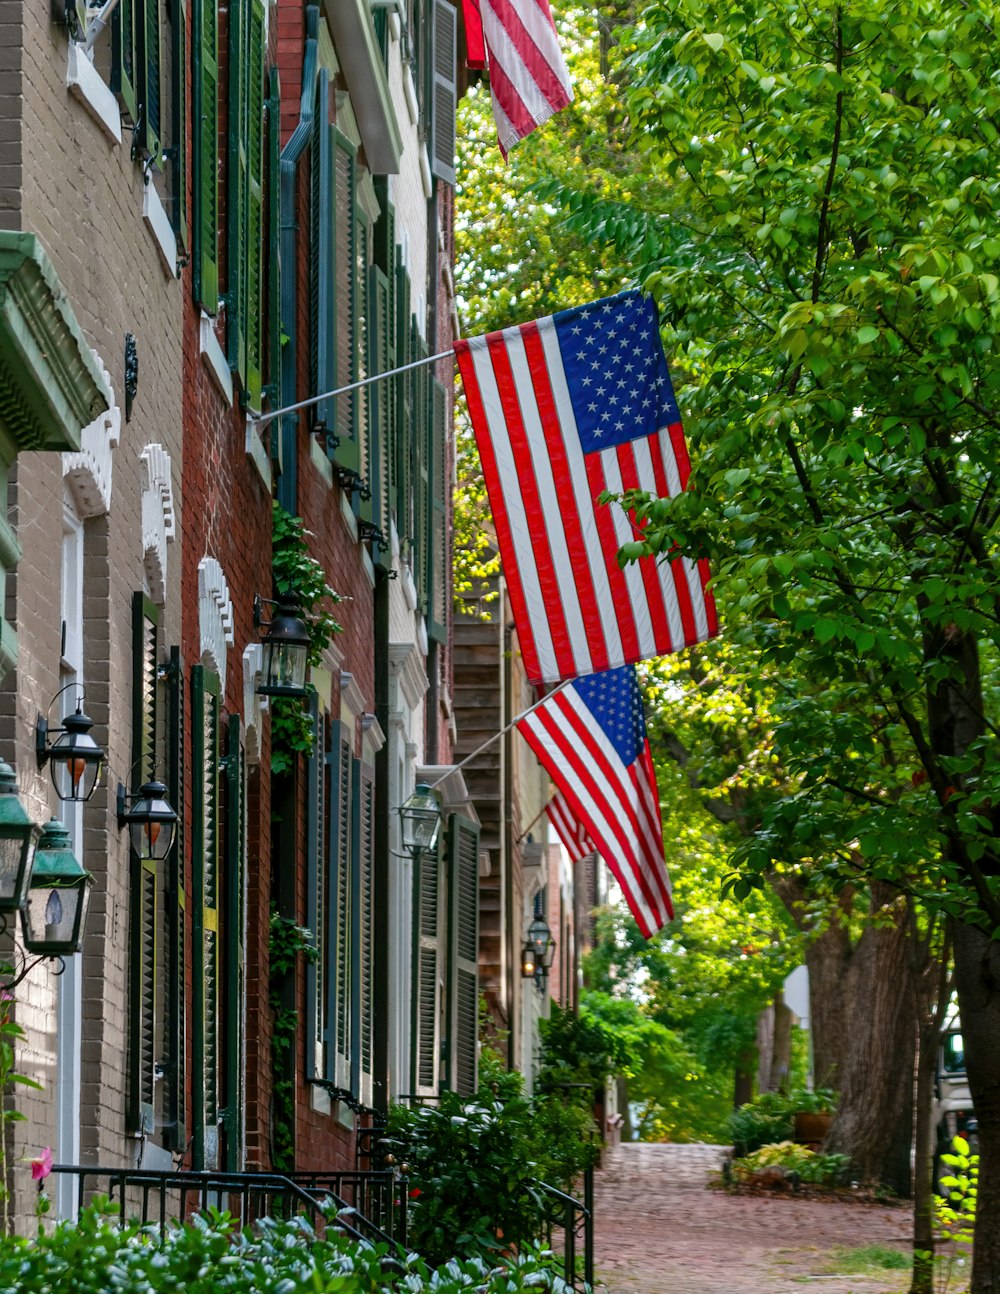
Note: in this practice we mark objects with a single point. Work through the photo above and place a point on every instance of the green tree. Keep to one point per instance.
(837, 307)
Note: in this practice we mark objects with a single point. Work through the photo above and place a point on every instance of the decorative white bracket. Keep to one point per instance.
(158, 519)
(88, 472)
(254, 704)
(215, 617)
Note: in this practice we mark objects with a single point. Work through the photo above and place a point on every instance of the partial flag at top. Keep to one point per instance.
(528, 77)
(590, 736)
(563, 409)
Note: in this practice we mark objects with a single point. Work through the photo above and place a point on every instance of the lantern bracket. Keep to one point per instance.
(11, 975)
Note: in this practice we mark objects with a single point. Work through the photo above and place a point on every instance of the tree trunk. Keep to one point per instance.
(923, 1183)
(828, 960)
(765, 1048)
(874, 1121)
(743, 1078)
(977, 975)
(781, 1045)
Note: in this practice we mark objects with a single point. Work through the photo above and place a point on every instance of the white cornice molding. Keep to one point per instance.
(351, 696)
(253, 703)
(406, 666)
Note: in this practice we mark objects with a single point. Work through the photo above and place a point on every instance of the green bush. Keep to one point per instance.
(210, 1255)
(764, 1121)
(812, 1166)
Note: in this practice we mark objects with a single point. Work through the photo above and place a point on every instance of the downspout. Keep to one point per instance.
(290, 155)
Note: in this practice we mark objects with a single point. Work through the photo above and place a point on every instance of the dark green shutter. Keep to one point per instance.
(317, 899)
(233, 926)
(175, 900)
(205, 156)
(404, 406)
(380, 409)
(463, 954)
(343, 893)
(365, 328)
(254, 294)
(274, 238)
(426, 973)
(439, 488)
(178, 127)
(420, 447)
(205, 918)
(321, 221)
(144, 908)
(150, 86)
(236, 192)
(362, 919)
(443, 101)
(125, 53)
(346, 306)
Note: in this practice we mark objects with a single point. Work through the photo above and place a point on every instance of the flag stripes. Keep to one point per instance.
(528, 78)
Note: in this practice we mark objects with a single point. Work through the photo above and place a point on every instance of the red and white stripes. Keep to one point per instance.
(528, 78)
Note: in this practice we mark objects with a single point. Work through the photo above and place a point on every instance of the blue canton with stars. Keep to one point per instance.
(615, 369)
(614, 699)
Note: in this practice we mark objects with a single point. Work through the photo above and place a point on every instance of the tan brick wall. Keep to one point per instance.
(82, 195)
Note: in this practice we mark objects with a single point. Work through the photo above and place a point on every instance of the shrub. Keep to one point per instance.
(210, 1254)
(762, 1122)
(812, 1166)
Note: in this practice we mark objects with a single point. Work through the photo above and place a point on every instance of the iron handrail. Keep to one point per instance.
(577, 1215)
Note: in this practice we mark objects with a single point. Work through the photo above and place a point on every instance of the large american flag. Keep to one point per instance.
(564, 408)
(591, 738)
(528, 78)
(569, 829)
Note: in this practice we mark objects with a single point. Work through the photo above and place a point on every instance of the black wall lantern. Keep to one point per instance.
(151, 820)
(539, 951)
(420, 817)
(53, 916)
(529, 962)
(18, 837)
(286, 647)
(75, 760)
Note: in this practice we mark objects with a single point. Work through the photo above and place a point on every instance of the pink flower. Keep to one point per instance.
(41, 1166)
(5, 994)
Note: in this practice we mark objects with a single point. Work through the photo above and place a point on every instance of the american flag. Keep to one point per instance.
(591, 738)
(564, 408)
(569, 829)
(528, 78)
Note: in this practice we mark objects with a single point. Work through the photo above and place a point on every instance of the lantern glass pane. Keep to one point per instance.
(75, 778)
(287, 665)
(50, 914)
(12, 850)
(151, 839)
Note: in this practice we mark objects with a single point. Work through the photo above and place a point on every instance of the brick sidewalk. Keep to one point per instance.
(658, 1230)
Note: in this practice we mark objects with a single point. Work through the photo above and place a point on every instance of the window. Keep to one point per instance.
(443, 98)
(350, 257)
(463, 954)
(437, 552)
(363, 923)
(136, 69)
(234, 944)
(205, 813)
(322, 355)
(205, 155)
(427, 972)
(319, 973)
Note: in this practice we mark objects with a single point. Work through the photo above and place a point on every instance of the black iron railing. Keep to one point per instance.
(379, 1197)
(152, 1197)
(571, 1226)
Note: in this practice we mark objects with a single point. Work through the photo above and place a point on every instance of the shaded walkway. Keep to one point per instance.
(659, 1231)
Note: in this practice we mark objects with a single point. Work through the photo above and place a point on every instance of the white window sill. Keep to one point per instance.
(258, 455)
(214, 358)
(85, 83)
(155, 215)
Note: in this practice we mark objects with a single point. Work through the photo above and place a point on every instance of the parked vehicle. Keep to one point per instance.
(953, 1112)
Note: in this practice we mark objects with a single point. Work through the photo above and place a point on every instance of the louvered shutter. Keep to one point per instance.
(427, 973)
(205, 919)
(348, 453)
(237, 182)
(317, 901)
(443, 103)
(205, 158)
(178, 125)
(343, 894)
(254, 273)
(144, 908)
(381, 404)
(420, 470)
(363, 927)
(234, 942)
(274, 238)
(439, 489)
(125, 21)
(463, 945)
(366, 326)
(150, 82)
(404, 405)
(175, 902)
(321, 296)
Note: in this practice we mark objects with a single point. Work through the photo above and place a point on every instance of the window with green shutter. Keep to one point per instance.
(348, 286)
(273, 388)
(136, 70)
(439, 491)
(233, 943)
(426, 976)
(205, 859)
(145, 942)
(175, 902)
(318, 895)
(345, 832)
(321, 251)
(463, 954)
(443, 98)
(178, 120)
(205, 152)
(403, 385)
(362, 918)
(381, 351)
(419, 431)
